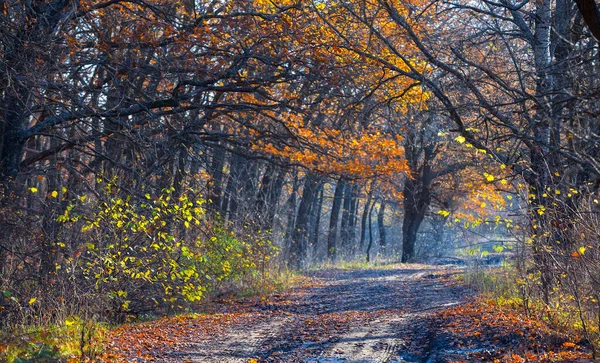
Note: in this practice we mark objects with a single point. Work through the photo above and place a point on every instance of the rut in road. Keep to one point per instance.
(377, 315)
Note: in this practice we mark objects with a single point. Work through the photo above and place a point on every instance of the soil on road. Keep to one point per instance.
(375, 315)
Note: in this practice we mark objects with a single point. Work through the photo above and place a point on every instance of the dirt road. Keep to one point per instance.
(344, 316)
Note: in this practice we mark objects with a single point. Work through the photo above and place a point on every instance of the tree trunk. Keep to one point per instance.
(230, 203)
(354, 204)
(314, 237)
(370, 221)
(291, 219)
(381, 226)
(333, 220)
(13, 119)
(299, 245)
(268, 196)
(215, 185)
(345, 227)
(179, 177)
(363, 222)
(50, 228)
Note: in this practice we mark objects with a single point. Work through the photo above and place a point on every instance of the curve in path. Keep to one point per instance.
(361, 316)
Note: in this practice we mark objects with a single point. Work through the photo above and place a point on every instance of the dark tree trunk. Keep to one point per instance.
(268, 196)
(354, 204)
(333, 220)
(274, 195)
(50, 228)
(318, 207)
(415, 207)
(11, 145)
(247, 192)
(215, 185)
(370, 221)
(291, 219)
(299, 245)
(417, 196)
(179, 177)
(381, 226)
(345, 227)
(229, 204)
(363, 222)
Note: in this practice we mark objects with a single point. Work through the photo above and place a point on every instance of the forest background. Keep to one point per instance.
(155, 152)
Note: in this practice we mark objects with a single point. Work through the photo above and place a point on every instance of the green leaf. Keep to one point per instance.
(484, 254)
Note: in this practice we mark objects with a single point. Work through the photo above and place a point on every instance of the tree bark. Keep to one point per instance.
(268, 196)
(363, 222)
(314, 237)
(345, 225)
(291, 219)
(354, 204)
(299, 245)
(215, 185)
(591, 15)
(381, 226)
(333, 220)
(370, 221)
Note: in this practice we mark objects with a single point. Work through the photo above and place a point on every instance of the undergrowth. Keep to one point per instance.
(514, 292)
(78, 339)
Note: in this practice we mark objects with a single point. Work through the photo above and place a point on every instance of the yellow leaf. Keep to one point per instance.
(443, 213)
(54, 194)
(70, 321)
(32, 300)
(582, 250)
(33, 189)
(460, 139)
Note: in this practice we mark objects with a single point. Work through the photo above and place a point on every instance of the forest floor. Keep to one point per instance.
(409, 313)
